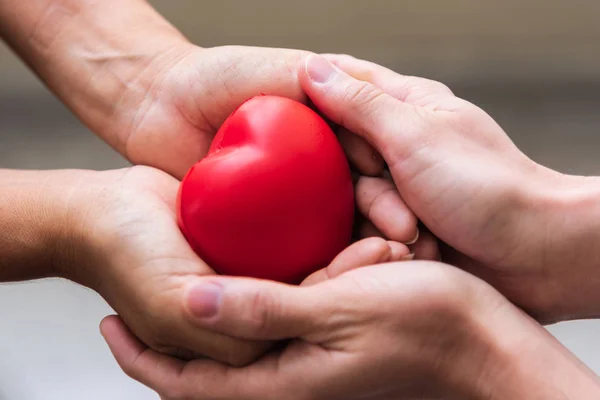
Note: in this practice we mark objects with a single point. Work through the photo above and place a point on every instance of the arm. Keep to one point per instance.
(99, 57)
(507, 355)
(531, 232)
(135, 81)
(116, 233)
(34, 223)
(402, 331)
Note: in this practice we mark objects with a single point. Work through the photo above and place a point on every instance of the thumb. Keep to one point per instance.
(357, 105)
(369, 251)
(258, 309)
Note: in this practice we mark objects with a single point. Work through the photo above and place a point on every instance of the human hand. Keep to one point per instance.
(502, 216)
(138, 260)
(124, 243)
(394, 331)
(169, 121)
(189, 99)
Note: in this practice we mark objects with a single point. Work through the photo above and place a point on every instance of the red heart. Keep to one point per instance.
(273, 198)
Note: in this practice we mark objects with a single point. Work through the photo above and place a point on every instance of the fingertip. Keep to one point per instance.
(378, 250)
(370, 251)
(106, 322)
(364, 252)
(318, 69)
(119, 338)
(399, 251)
(415, 237)
(202, 299)
(111, 327)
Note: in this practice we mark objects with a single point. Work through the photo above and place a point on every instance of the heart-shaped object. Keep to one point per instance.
(274, 197)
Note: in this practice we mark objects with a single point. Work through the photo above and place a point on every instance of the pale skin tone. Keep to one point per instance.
(470, 342)
(530, 231)
(132, 77)
(142, 87)
(411, 330)
(116, 232)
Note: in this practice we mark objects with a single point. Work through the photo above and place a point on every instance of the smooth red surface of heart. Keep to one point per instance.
(273, 198)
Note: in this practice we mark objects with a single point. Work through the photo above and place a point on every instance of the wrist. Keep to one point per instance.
(85, 245)
(39, 228)
(508, 355)
(564, 229)
(97, 56)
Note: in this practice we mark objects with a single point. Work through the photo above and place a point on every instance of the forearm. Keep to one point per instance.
(534, 365)
(92, 52)
(565, 228)
(35, 223)
(510, 356)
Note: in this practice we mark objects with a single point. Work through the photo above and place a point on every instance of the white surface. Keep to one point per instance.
(581, 337)
(51, 348)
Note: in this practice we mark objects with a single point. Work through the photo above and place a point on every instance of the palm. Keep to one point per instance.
(180, 114)
(148, 266)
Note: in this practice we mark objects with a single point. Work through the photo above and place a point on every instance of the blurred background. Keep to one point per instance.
(534, 65)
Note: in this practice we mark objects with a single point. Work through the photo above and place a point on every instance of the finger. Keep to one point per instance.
(409, 89)
(361, 107)
(217, 346)
(366, 252)
(258, 309)
(157, 371)
(379, 201)
(426, 248)
(360, 153)
(170, 378)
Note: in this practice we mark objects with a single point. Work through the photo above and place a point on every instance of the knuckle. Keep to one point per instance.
(363, 97)
(373, 207)
(424, 85)
(439, 87)
(375, 190)
(264, 309)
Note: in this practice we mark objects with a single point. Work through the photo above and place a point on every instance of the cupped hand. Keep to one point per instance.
(392, 331)
(129, 248)
(168, 120)
(497, 211)
(170, 124)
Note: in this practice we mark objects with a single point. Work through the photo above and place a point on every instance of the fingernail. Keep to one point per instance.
(319, 69)
(413, 241)
(204, 300)
(408, 257)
